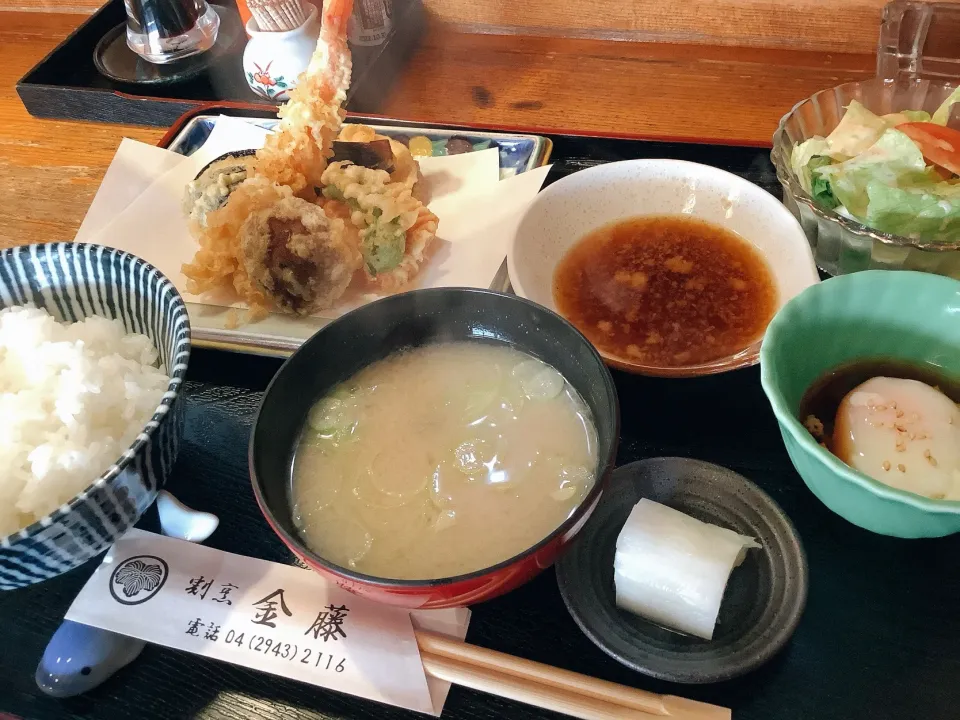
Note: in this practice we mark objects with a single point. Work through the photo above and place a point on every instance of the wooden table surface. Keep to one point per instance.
(50, 170)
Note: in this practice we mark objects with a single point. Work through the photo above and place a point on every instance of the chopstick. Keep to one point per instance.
(551, 688)
(524, 691)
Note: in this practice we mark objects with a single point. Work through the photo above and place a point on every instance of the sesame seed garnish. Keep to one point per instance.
(886, 465)
(899, 413)
(914, 417)
(901, 467)
(900, 446)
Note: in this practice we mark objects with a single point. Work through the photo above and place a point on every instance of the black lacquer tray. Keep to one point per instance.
(880, 638)
(67, 85)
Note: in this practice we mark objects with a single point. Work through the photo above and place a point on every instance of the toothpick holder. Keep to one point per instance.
(272, 61)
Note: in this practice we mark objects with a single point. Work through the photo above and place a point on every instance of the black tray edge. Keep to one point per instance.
(86, 103)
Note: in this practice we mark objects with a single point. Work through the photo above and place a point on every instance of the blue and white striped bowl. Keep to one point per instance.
(73, 281)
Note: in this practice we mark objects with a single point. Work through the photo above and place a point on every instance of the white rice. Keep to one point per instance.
(73, 397)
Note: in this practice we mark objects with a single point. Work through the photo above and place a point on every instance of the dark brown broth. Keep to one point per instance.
(823, 398)
(667, 290)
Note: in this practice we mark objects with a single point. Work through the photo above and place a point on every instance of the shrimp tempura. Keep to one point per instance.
(297, 153)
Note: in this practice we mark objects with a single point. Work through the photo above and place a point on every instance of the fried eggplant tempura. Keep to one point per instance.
(406, 170)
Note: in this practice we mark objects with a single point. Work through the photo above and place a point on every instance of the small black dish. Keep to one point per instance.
(764, 598)
(115, 60)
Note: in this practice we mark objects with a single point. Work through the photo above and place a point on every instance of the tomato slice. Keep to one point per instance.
(941, 171)
(940, 145)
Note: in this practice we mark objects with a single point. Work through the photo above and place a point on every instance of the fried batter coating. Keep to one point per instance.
(279, 251)
(212, 186)
(216, 263)
(297, 257)
(371, 195)
(297, 153)
(418, 240)
(395, 227)
(406, 170)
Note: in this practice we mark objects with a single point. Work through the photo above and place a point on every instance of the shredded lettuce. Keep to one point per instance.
(801, 158)
(915, 212)
(868, 170)
(892, 160)
(820, 185)
(905, 116)
(858, 130)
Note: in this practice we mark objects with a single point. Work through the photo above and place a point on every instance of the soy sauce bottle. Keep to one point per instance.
(383, 34)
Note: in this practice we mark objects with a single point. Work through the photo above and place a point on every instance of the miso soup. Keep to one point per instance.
(440, 461)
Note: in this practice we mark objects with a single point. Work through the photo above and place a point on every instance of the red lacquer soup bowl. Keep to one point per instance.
(417, 318)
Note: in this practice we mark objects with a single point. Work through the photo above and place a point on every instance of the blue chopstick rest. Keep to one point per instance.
(79, 657)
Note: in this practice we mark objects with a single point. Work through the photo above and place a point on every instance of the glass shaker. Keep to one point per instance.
(164, 31)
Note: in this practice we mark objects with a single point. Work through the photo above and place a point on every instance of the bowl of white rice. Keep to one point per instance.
(94, 346)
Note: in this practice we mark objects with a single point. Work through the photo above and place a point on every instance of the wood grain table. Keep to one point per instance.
(50, 170)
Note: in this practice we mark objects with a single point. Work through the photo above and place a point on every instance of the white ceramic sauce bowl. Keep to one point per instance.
(582, 202)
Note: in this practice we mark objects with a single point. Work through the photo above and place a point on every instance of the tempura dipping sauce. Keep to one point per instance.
(667, 291)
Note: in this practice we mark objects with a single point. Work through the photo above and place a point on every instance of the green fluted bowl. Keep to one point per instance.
(909, 316)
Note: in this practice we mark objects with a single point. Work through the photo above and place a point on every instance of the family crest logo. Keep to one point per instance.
(137, 579)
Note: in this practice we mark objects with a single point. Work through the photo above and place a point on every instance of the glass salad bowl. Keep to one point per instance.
(841, 244)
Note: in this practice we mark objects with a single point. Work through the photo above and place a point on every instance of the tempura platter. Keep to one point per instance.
(465, 186)
(280, 335)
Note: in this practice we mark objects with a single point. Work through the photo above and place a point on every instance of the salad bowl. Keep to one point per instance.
(907, 231)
